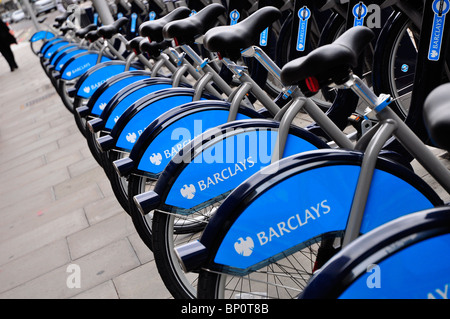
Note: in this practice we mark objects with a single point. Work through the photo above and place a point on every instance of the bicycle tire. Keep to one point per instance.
(119, 184)
(79, 121)
(387, 64)
(63, 93)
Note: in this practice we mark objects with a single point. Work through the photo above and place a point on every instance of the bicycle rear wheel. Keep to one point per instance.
(284, 279)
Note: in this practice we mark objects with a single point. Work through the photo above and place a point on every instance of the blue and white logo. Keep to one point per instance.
(156, 159)
(304, 14)
(440, 9)
(188, 191)
(234, 16)
(133, 22)
(263, 38)
(405, 68)
(244, 247)
(152, 15)
(359, 12)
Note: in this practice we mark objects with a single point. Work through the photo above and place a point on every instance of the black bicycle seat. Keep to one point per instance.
(328, 64)
(436, 115)
(92, 36)
(133, 44)
(153, 48)
(186, 30)
(61, 18)
(65, 29)
(81, 33)
(153, 29)
(230, 40)
(108, 31)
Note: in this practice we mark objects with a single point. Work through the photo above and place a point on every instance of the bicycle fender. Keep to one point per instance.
(61, 51)
(110, 87)
(214, 163)
(66, 56)
(166, 135)
(137, 117)
(408, 249)
(41, 35)
(47, 45)
(124, 99)
(305, 207)
(77, 65)
(54, 48)
(97, 75)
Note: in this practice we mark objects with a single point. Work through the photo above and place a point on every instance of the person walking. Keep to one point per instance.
(6, 39)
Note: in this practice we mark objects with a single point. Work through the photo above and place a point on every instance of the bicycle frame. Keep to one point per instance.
(372, 143)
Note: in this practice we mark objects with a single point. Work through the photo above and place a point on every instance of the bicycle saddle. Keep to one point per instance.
(328, 64)
(61, 18)
(186, 30)
(230, 40)
(92, 36)
(108, 31)
(66, 29)
(436, 115)
(81, 33)
(153, 29)
(133, 44)
(153, 48)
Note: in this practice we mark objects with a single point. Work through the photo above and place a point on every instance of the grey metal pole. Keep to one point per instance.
(102, 8)
(32, 15)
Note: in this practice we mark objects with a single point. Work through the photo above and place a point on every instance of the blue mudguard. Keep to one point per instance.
(60, 51)
(100, 98)
(78, 64)
(54, 48)
(213, 164)
(41, 35)
(308, 196)
(165, 136)
(124, 99)
(407, 258)
(49, 44)
(66, 56)
(136, 118)
(91, 80)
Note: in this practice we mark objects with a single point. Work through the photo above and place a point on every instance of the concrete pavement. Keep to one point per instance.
(57, 209)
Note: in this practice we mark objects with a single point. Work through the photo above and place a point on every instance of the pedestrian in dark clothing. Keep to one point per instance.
(6, 39)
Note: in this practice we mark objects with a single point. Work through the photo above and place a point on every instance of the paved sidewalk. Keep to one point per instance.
(57, 208)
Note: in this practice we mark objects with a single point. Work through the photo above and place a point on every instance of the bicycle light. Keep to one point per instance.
(191, 255)
(105, 143)
(83, 111)
(123, 166)
(146, 202)
(95, 125)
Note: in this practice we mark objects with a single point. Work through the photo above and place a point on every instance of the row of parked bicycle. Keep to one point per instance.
(190, 113)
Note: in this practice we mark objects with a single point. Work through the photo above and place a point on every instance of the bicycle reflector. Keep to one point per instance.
(310, 86)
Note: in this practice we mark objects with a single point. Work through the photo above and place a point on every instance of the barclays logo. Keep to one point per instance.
(156, 159)
(188, 191)
(244, 247)
(281, 228)
(131, 137)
